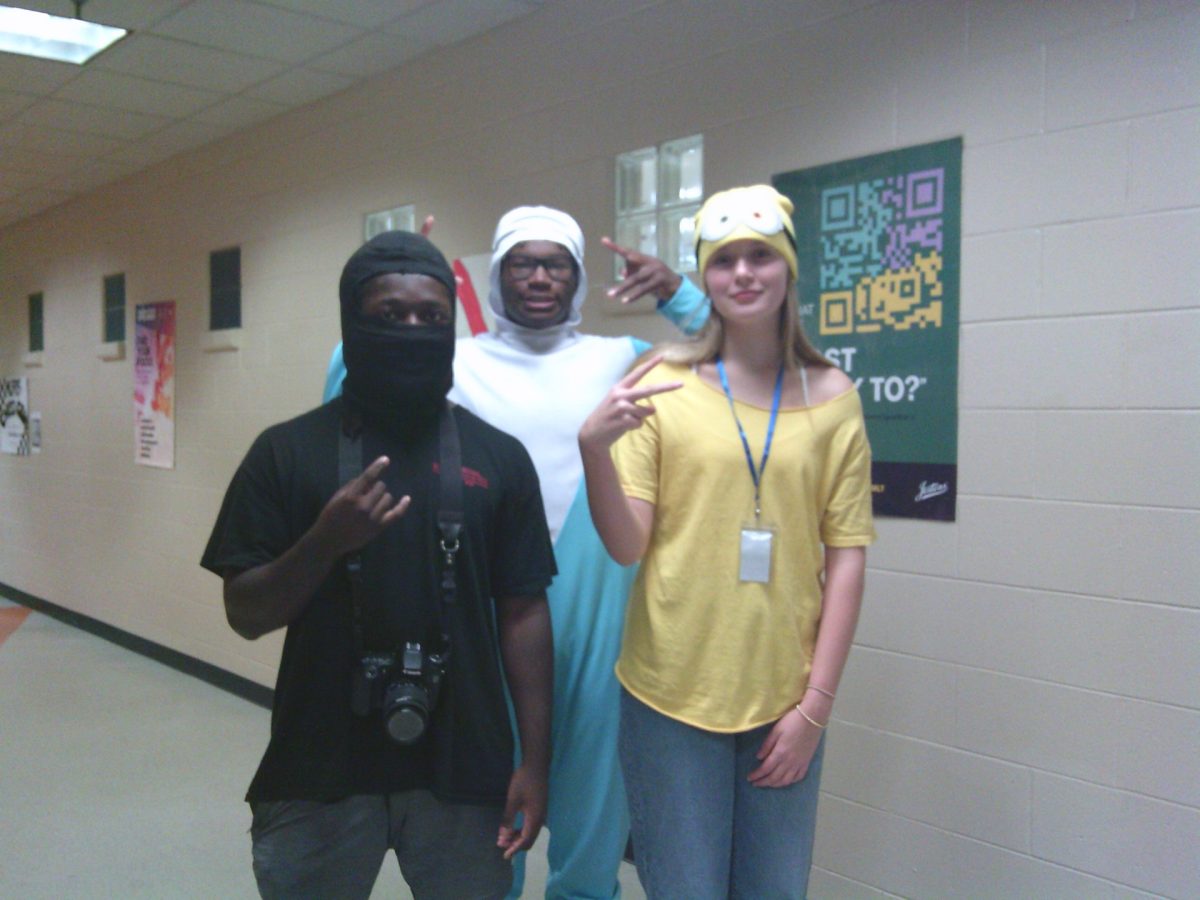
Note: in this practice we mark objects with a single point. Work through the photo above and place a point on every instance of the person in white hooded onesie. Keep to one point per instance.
(537, 377)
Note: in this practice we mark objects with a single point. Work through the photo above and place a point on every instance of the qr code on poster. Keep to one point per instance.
(881, 254)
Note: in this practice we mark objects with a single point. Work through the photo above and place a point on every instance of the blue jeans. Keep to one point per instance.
(700, 829)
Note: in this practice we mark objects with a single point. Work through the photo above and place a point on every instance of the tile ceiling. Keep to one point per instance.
(193, 71)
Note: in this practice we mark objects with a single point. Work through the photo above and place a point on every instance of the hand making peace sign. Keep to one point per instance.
(621, 410)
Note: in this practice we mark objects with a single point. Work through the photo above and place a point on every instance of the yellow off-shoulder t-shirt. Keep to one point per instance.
(701, 646)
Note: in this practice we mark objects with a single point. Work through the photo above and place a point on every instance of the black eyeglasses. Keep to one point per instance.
(559, 268)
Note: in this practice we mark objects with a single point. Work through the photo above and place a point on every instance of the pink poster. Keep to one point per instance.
(154, 385)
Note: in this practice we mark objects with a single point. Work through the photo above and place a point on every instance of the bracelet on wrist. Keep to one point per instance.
(822, 691)
(811, 721)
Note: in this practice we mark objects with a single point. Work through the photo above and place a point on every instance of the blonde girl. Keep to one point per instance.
(743, 490)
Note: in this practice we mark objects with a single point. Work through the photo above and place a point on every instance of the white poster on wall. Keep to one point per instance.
(14, 416)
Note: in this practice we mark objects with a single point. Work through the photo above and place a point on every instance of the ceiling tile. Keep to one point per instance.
(103, 88)
(34, 76)
(55, 141)
(12, 212)
(371, 54)
(12, 181)
(19, 159)
(12, 103)
(363, 13)
(300, 86)
(194, 71)
(239, 112)
(449, 21)
(78, 117)
(122, 13)
(262, 31)
(175, 62)
(95, 174)
(175, 138)
(40, 198)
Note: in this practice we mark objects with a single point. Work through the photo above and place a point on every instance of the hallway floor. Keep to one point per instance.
(121, 777)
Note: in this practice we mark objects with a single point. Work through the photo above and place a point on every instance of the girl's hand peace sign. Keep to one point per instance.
(622, 408)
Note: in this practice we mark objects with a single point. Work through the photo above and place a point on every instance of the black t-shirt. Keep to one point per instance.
(320, 750)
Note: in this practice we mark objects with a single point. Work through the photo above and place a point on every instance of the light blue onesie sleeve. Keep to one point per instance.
(686, 309)
(336, 374)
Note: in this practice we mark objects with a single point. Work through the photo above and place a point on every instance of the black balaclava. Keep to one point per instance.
(395, 375)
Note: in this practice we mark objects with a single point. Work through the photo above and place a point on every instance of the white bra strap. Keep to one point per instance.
(804, 382)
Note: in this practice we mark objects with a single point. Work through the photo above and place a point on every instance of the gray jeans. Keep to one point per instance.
(304, 848)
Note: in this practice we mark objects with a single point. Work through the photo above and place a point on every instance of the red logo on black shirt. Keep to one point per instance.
(470, 477)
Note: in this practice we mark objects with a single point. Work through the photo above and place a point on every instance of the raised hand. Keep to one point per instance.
(622, 408)
(359, 511)
(643, 276)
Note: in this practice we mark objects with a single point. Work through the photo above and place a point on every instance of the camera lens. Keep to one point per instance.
(405, 712)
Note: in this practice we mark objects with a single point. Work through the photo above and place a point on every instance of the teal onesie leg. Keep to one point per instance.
(587, 818)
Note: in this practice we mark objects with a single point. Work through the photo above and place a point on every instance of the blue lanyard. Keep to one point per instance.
(755, 474)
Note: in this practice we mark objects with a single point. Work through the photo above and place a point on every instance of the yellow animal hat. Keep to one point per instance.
(758, 212)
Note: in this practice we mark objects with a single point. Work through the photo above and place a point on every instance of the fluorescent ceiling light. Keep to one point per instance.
(53, 37)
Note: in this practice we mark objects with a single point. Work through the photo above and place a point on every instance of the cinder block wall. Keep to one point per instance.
(1020, 717)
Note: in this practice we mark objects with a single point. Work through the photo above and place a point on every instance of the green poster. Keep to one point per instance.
(879, 242)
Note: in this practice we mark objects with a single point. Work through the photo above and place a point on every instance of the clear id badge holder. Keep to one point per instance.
(755, 557)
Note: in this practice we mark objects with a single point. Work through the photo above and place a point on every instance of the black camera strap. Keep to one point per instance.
(449, 520)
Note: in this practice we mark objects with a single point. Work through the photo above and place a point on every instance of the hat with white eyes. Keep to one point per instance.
(758, 212)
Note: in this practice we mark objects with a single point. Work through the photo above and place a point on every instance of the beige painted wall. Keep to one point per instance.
(1020, 717)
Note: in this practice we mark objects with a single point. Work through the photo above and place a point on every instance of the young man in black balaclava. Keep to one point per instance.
(390, 727)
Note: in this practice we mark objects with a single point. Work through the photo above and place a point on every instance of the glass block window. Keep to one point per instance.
(402, 218)
(37, 334)
(225, 289)
(659, 190)
(114, 307)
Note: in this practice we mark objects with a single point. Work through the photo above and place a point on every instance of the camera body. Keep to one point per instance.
(404, 687)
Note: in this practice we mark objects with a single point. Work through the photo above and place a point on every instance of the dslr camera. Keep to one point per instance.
(404, 687)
